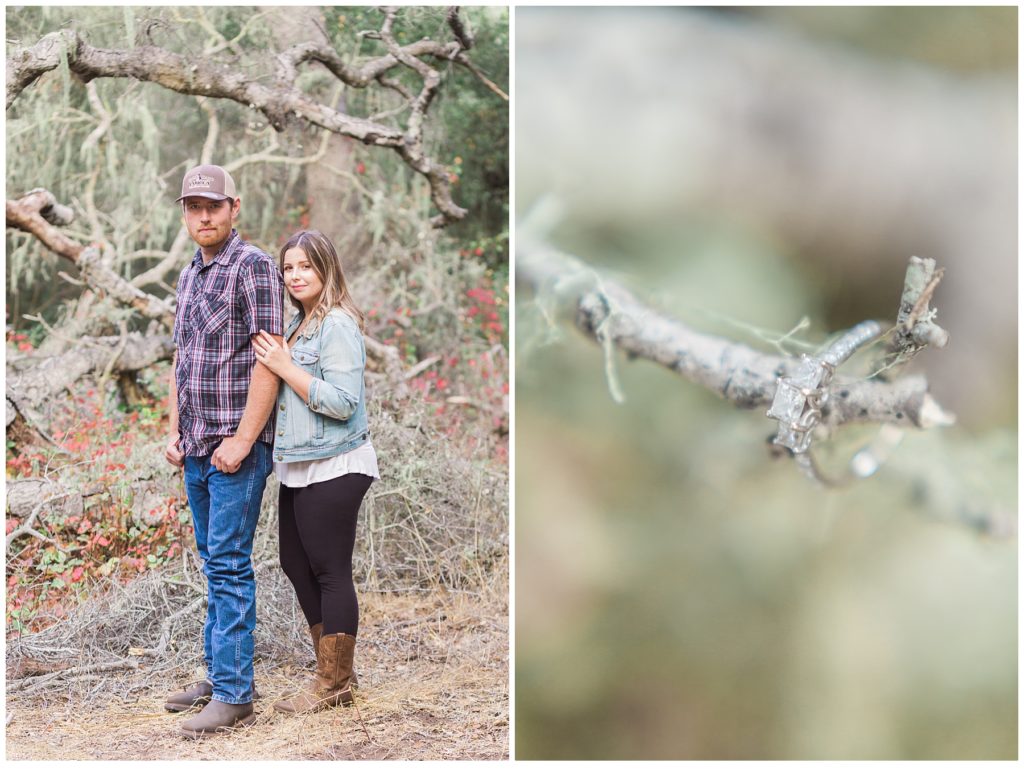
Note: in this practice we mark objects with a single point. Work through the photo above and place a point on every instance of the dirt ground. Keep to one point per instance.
(433, 673)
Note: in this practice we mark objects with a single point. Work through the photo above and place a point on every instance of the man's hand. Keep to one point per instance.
(230, 454)
(173, 452)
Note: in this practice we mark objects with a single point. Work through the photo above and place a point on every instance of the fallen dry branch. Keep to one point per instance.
(24, 429)
(49, 376)
(34, 684)
(64, 491)
(155, 621)
(390, 363)
(612, 316)
(27, 526)
(160, 649)
(278, 97)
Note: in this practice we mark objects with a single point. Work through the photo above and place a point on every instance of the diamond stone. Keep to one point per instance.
(789, 403)
(808, 373)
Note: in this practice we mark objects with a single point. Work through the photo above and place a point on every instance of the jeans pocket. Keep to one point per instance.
(262, 456)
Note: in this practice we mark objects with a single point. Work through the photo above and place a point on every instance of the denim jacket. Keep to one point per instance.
(334, 419)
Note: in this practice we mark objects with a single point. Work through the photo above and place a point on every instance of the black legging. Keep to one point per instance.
(317, 532)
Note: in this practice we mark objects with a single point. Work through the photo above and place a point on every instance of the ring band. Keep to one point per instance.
(865, 462)
(801, 396)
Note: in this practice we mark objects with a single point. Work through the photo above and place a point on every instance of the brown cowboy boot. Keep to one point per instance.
(218, 716)
(332, 684)
(315, 632)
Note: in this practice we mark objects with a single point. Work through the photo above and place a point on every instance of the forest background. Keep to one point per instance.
(389, 132)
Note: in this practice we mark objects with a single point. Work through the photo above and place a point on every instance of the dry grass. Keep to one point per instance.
(431, 568)
(433, 671)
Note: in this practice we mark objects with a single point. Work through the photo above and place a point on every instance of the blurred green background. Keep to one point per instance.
(678, 593)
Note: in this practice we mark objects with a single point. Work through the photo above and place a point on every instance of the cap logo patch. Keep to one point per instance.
(201, 181)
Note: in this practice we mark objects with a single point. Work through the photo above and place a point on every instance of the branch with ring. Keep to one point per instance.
(801, 396)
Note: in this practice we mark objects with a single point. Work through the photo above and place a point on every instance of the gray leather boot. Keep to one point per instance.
(218, 716)
(195, 696)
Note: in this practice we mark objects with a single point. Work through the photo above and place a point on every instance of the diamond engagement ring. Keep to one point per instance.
(800, 397)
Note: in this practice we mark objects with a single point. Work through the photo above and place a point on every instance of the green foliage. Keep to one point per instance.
(470, 134)
(106, 537)
(127, 176)
(986, 37)
(475, 123)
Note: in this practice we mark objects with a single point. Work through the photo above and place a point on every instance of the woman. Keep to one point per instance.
(323, 458)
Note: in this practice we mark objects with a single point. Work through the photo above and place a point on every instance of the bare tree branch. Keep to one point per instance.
(28, 526)
(458, 28)
(172, 71)
(105, 122)
(279, 98)
(26, 214)
(612, 316)
(915, 328)
(483, 78)
(412, 149)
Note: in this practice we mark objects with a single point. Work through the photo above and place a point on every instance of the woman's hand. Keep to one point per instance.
(273, 355)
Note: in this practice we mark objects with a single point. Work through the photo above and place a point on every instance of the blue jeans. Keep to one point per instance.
(225, 509)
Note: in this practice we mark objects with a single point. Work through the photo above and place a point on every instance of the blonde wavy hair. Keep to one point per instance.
(325, 261)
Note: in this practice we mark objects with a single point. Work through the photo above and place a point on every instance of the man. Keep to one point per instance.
(222, 430)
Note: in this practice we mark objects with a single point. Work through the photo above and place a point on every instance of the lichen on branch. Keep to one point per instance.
(37, 212)
(614, 317)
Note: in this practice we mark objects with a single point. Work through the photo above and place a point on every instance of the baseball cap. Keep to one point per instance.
(208, 181)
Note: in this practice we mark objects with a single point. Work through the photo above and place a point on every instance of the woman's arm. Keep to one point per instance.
(341, 364)
(277, 358)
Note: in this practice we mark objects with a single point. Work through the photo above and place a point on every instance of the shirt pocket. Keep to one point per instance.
(307, 359)
(212, 314)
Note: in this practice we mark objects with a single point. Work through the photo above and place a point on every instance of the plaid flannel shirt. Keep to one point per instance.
(220, 306)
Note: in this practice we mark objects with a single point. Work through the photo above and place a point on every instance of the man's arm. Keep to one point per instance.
(273, 353)
(261, 291)
(173, 450)
(259, 403)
